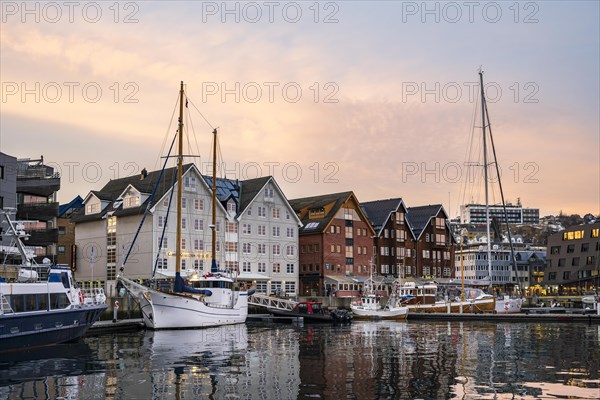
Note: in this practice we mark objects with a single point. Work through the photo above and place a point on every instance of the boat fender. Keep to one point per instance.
(81, 298)
(506, 306)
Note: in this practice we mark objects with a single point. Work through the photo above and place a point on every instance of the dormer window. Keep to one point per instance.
(92, 208)
(269, 193)
(231, 207)
(316, 212)
(131, 199)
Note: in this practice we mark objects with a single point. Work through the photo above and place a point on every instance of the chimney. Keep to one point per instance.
(144, 174)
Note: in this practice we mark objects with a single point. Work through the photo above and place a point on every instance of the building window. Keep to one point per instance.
(93, 208)
(552, 276)
(131, 201)
(276, 231)
(161, 263)
(61, 229)
(199, 204)
(585, 247)
(261, 287)
(183, 202)
(575, 262)
(262, 211)
(247, 229)
(562, 262)
(276, 213)
(183, 223)
(246, 266)
(276, 250)
(290, 250)
(198, 224)
(570, 248)
(290, 232)
(276, 268)
(290, 288)
(269, 193)
(290, 268)
(198, 265)
(231, 207)
(262, 230)
(262, 267)
(262, 248)
(566, 275)
(231, 227)
(555, 250)
(61, 249)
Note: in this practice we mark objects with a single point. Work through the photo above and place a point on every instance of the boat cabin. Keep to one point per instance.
(419, 294)
(309, 307)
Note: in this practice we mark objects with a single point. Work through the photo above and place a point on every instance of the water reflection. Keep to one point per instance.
(363, 360)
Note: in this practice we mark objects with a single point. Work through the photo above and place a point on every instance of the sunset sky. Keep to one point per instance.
(374, 97)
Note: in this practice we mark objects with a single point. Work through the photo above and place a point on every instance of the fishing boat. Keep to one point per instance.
(312, 311)
(207, 300)
(369, 304)
(41, 305)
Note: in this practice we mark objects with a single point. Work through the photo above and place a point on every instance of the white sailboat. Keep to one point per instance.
(212, 299)
(507, 303)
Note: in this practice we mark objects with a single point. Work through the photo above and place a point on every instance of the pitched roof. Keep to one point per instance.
(318, 225)
(379, 211)
(419, 217)
(74, 204)
(115, 187)
(250, 188)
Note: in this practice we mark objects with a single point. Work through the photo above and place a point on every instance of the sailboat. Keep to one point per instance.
(208, 300)
(507, 303)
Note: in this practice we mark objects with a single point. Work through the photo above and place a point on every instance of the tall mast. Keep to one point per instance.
(214, 204)
(485, 174)
(178, 281)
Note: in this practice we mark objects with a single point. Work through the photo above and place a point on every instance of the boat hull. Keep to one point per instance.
(508, 306)
(20, 331)
(477, 306)
(397, 313)
(171, 311)
(306, 317)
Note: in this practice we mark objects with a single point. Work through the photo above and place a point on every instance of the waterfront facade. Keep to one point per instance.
(434, 242)
(336, 245)
(573, 259)
(393, 240)
(105, 229)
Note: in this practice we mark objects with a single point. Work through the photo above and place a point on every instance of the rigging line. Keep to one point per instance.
(162, 148)
(512, 250)
(186, 132)
(148, 206)
(202, 115)
(468, 155)
(193, 131)
(162, 235)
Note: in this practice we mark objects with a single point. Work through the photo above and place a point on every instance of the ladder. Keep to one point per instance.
(5, 307)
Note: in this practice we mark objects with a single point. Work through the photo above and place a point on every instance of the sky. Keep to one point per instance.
(377, 97)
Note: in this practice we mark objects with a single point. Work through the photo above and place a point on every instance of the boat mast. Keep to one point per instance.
(485, 174)
(213, 266)
(178, 280)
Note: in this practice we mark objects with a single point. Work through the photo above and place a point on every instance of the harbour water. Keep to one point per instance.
(362, 360)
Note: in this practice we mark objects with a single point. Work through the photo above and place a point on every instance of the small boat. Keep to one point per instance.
(312, 311)
(369, 305)
(212, 299)
(41, 305)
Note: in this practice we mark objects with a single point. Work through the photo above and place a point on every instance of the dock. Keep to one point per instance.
(521, 317)
(108, 326)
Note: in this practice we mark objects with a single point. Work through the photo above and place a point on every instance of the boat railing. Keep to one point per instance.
(263, 300)
(93, 296)
(20, 273)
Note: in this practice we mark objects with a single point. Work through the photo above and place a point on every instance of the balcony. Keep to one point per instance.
(41, 237)
(40, 186)
(37, 211)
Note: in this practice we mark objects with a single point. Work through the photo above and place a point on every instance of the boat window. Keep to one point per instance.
(317, 309)
(17, 303)
(65, 279)
(302, 308)
(59, 300)
(42, 301)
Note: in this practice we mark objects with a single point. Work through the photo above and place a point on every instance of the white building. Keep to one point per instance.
(105, 230)
(516, 214)
(475, 265)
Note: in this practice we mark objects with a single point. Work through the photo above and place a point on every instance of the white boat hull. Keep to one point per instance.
(169, 311)
(508, 306)
(392, 313)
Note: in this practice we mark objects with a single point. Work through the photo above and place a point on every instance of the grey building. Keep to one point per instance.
(8, 191)
(573, 259)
